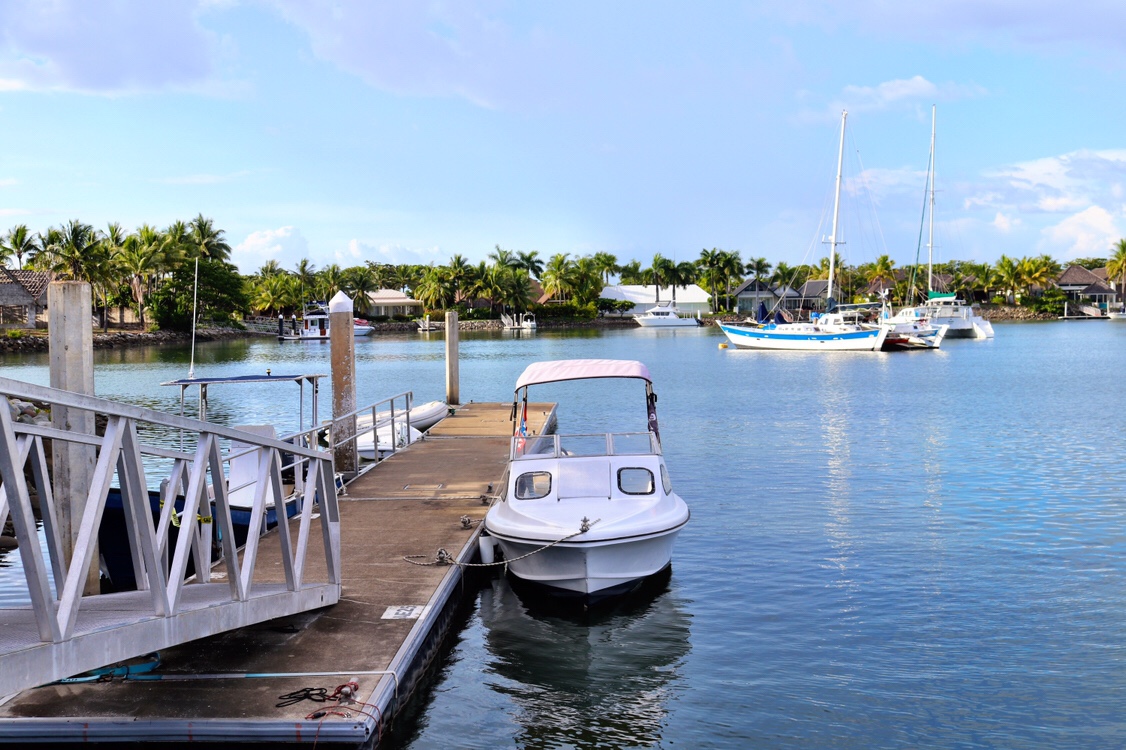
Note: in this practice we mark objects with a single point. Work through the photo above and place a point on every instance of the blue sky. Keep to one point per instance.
(407, 132)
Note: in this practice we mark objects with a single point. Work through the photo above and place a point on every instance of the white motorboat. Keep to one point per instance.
(421, 418)
(1116, 314)
(834, 331)
(522, 322)
(663, 316)
(314, 326)
(586, 515)
(385, 439)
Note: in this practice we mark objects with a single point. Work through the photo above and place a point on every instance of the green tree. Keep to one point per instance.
(1008, 275)
(558, 276)
(607, 265)
(18, 242)
(220, 294)
(1116, 270)
(530, 262)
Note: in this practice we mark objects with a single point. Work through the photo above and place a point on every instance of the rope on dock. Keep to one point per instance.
(442, 557)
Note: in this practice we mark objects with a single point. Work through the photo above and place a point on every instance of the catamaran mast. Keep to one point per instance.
(830, 303)
(930, 236)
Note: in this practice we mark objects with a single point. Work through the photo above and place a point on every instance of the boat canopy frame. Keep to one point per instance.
(557, 371)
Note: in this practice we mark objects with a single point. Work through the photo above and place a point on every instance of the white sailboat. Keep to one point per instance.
(942, 309)
(832, 331)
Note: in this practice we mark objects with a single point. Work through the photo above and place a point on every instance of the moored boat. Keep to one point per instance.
(664, 316)
(587, 515)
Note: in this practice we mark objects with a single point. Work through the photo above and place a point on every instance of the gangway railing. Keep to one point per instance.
(62, 631)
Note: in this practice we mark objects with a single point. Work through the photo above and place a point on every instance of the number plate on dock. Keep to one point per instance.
(405, 612)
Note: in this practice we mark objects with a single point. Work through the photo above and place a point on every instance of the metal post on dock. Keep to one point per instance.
(342, 342)
(70, 338)
(453, 396)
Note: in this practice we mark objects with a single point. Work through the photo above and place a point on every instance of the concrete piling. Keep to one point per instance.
(342, 343)
(453, 395)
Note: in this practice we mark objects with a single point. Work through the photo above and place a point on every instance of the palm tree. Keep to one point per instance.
(306, 274)
(207, 241)
(18, 242)
(709, 264)
(660, 270)
(140, 261)
(558, 276)
(681, 274)
(75, 252)
(435, 290)
(630, 273)
(458, 273)
(501, 257)
(731, 267)
(269, 268)
(530, 262)
(1008, 275)
(275, 293)
(1116, 270)
(607, 265)
(359, 281)
(758, 268)
(330, 280)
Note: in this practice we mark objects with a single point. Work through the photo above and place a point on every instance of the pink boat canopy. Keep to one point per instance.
(581, 369)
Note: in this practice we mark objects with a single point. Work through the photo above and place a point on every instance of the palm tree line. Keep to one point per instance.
(122, 267)
(130, 267)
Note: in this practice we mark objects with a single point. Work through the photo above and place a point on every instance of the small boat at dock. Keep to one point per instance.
(587, 515)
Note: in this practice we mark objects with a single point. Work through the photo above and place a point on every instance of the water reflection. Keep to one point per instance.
(601, 679)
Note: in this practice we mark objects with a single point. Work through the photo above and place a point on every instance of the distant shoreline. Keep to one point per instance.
(115, 339)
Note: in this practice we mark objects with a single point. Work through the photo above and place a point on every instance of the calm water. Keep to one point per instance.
(908, 550)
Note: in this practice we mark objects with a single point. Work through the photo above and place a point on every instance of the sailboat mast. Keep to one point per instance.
(829, 301)
(930, 235)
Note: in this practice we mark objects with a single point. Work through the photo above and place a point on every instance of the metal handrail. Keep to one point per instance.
(197, 476)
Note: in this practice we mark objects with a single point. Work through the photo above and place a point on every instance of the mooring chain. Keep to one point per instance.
(442, 557)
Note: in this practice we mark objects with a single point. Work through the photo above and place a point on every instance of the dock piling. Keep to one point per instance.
(70, 338)
(453, 397)
(342, 342)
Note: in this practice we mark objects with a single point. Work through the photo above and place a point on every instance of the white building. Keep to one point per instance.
(388, 302)
(690, 299)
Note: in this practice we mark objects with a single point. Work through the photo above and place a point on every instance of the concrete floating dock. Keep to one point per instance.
(388, 625)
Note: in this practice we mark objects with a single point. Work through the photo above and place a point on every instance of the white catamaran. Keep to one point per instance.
(942, 308)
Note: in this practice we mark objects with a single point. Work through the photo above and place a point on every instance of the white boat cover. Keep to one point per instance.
(581, 369)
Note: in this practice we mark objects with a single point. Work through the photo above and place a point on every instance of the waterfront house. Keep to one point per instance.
(387, 303)
(690, 299)
(23, 296)
(1083, 285)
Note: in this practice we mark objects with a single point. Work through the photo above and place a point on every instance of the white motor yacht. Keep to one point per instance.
(663, 316)
(588, 515)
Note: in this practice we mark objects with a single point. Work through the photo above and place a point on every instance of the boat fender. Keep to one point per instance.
(486, 545)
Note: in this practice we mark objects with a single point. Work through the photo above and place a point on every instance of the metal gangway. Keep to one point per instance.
(62, 631)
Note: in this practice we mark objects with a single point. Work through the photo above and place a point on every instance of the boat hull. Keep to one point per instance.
(600, 568)
(666, 322)
(746, 337)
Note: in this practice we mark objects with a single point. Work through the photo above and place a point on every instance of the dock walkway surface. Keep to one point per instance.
(386, 628)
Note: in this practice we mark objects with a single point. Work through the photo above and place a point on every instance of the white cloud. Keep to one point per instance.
(285, 245)
(1090, 232)
(907, 93)
(359, 252)
(14, 212)
(8, 182)
(102, 47)
(1005, 224)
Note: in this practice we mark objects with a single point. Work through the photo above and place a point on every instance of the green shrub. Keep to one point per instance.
(15, 333)
(997, 300)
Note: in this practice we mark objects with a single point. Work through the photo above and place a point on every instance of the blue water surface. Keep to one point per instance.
(921, 549)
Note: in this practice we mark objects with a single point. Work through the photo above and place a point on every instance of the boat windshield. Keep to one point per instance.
(571, 446)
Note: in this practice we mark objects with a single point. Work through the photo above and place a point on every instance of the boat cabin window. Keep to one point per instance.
(635, 481)
(533, 485)
(666, 482)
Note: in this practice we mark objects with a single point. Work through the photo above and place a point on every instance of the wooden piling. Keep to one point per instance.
(342, 343)
(70, 339)
(453, 395)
